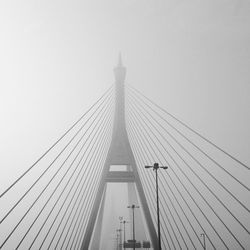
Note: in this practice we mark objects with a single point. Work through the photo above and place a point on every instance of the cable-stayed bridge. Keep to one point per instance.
(73, 195)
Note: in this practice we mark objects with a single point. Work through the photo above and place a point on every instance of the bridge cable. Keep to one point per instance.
(143, 143)
(23, 196)
(146, 145)
(87, 207)
(90, 204)
(139, 157)
(83, 219)
(185, 187)
(140, 112)
(229, 192)
(153, 203)
(145, 178)
(198, 162)
(93, 180)
(43, 191)
(98, 154)
(202, 196)
(192, 212)
(146, 183)
(143, 150)
(74, 205)
(59, 184)
(48, 150)
(192, 130)
(192, 143)
(93, 129)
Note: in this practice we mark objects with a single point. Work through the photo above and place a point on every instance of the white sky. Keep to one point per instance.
(57, 57)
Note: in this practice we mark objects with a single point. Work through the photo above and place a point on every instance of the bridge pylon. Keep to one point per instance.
(119, 154)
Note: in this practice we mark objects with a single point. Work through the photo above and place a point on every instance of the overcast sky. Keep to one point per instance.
(57, 57)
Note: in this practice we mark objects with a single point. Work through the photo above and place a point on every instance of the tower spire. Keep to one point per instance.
(120, 71)
(120, 60)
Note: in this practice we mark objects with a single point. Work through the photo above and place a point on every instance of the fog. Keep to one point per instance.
(57, 58)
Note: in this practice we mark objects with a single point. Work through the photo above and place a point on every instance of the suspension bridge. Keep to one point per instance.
(63, 200)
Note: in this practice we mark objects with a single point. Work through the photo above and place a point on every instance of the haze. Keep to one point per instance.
(57, 57)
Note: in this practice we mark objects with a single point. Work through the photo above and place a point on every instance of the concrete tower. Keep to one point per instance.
(119, 154)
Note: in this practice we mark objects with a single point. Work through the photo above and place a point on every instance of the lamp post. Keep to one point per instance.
(120, 218)
(156, 168)
(204, 240)
(133, 210)
(124, 233)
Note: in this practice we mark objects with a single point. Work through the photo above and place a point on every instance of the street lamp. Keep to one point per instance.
(120, 218)
(204, 240)
(133, 210)
(155, 168)
(124, 233)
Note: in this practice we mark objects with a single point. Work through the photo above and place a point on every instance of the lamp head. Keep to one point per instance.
(165, 167)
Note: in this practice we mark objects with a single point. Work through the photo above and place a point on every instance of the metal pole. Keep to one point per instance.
(120, 246)
(133, 208)
(124, 236)
(158, 212)
(124, 233)
(155, 168)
